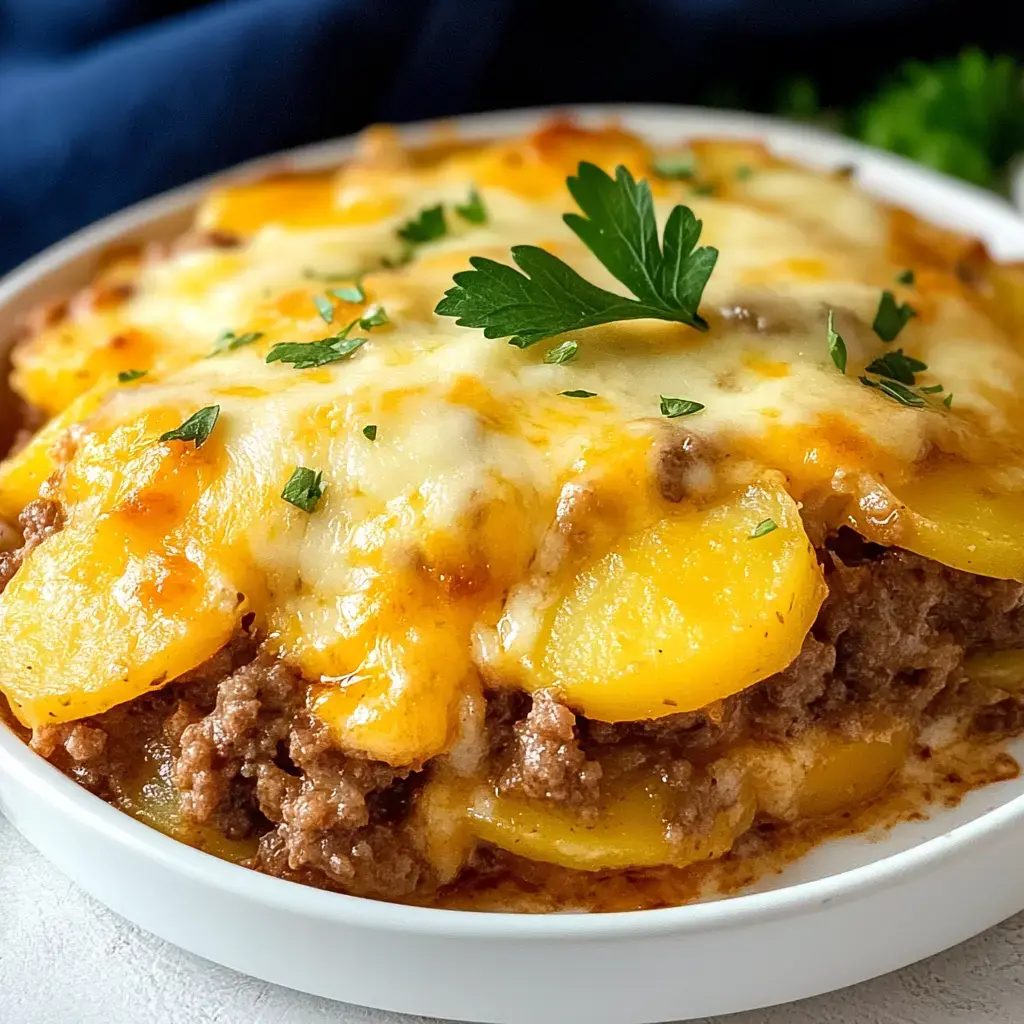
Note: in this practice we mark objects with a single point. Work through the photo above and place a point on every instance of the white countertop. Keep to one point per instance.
(64, 959)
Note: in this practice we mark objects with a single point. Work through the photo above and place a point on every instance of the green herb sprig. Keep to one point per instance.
(304, 489)
(305, 355)
(197, 428)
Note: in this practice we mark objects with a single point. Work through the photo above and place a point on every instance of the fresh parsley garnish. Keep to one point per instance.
(906, 277)
(763, 527)
(305, 355)
(579, 394)
(549, 298)
(894, 389)
(370, 432)
(324, 307)
(127, 376)
(427, 226)
(675, 166)
(673, 407)
(897, 366)
(350, 293)
(836, 345)
(705, 188)
(197, 427)
(890, 318)
(304, 489)
(948, 401)
(473, 210)
(375, 317)
(315, 275)
(228, 341)
(564, 353)
(743, 172)
(932, 389)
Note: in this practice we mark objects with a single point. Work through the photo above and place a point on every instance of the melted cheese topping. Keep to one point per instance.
(496, 529)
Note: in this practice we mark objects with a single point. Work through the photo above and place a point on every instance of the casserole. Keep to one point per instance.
(776, 514)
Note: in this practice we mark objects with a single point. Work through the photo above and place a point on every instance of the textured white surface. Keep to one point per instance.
(64, 958)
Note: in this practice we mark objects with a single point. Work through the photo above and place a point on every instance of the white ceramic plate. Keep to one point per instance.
(849, 911)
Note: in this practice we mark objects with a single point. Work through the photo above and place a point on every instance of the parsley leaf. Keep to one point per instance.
(564, 353)
(948, 402)
(305, 355)
(906, 277)
(428, 226)
(549, 298)
(473, 211)
(375, 317)
(675, 166)
(350, 293)
(579, 394)
(127, 376)
(763, 527)
(228, 341)
(673, 407)
(932, 389)
(370, 432)
(897, 366)
(894, 389)
(743, 172)
(836, 345)
(324, 307)
(890, 318)
(305, 489)
(197, 427)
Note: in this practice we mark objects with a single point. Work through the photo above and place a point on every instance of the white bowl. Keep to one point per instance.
(849, 911)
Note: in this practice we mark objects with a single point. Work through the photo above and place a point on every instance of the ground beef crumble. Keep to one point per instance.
(38, 521)
(249, 760)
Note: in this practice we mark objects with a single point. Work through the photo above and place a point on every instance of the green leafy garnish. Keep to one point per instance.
(894, 389)
(304, 489)
(197, 427)
(932, 389)
(890, 318)
(763, 527)
(315, 275)
(564, 353)
(305, 355)
(948, 401)
(906, 277)
(377, 317)
(370, 432)
(836, 345)
(673, 407)
(678, 166)
(473, 210)
(350, 293)
(428, 226)
(228, 341)
(127, 376)
(549, 298)
(324, 307)
(703, 189)
(897, 366)
(579, 394)
(743, 172)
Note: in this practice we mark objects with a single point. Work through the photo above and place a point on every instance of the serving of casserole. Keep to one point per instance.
(398, 532)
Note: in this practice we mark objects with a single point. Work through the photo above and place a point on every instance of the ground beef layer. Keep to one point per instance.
(247, 759)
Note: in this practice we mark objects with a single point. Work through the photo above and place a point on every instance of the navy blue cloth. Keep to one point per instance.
(105, 102)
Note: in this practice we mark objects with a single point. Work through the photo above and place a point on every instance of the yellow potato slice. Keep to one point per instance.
(698, 606)
(960, 518)
(399, 706)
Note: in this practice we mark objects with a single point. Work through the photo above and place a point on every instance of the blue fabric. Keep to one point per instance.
(104, 102)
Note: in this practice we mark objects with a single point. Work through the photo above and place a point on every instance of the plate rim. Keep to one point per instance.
(995, 218)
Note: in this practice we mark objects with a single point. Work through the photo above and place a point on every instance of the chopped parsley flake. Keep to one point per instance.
(473, 211)
(309, 354)
(763, 527)
(376, 316)
(564, 353)
(894, 389)
(703, 189)
(350, 293)
(428, 226)
(127, 376)
(897, 366)
(196, 428)
(906, 277)
(305, 489)
(370, 432)
(325, 308)
(228, 341)
(673, 407)
(890, 318)
(579, 394)
(932, 389)
(836, 345)
(315, 275)
(677, 166)
(948, 401)
(743, 172)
